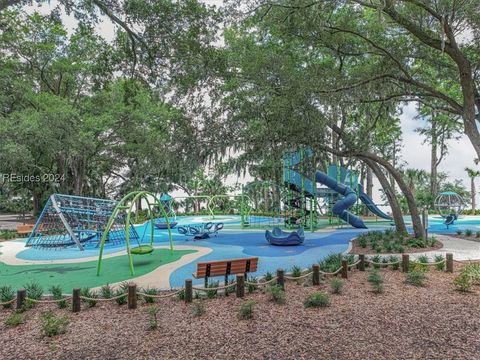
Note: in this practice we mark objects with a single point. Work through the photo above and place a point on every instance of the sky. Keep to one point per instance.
(414, 152)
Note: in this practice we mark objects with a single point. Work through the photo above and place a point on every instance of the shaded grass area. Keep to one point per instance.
(72, 275)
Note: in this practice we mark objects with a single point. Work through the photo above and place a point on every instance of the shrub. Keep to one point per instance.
(423, 259)
(52, 325)
(88, 293)
(121, 300)
(153, 317)
(441, 265)
(6, 294)
(336, 284)
(149, 291)
(212, 293)
(459, 232)
(276, 294)
(252, 287)
(377, 259)
(181, 294)
(296, 271)
(14, 319)
(394, 259)
(246, 310)
(362, 241)
(317, 299)
(463, 283)
(198, 307)
(468, 232)
(473, 272)
(399, 248)
(376, 281)
(57, 294)
(477, 234)
(433, 241)
(416, 278)
(416, 243)
(33, 291)
(268, 276)
(107, 292)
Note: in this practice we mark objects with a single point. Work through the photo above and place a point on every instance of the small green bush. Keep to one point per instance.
(14, 319)
(52, 325)
(477, 234)
(463, 283)
(87, 292)
(6, 294)
(441, 265)
(362, 241)
(468, 232)
(317, 299)
(376, 281)
(212, 293)
(423, 259)
(198, 307)
(181, 294)
(149, 291)
(433, 241)
(252, 287)
(107, 292)
(459, 232)
(336, 285)
(57, 294)
(246, 310)
(276, 294)
(377, 259)
(268, 276)
(296, 271)
(416, 278)
(153, 317)
(33, 291)
(394, 259)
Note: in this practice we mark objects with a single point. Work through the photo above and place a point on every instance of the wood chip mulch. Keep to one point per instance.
(405, 322)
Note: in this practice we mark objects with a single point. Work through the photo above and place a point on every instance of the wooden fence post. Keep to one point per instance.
(344, 271)
(449, 260)
(132, 296)
(361, 265)
(281, 278)
(188, 291)
(316, 274)
(240, 287)
(21, 295)
(76, 302)
(405, 262)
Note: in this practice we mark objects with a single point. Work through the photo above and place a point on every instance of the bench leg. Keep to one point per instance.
(226, 280)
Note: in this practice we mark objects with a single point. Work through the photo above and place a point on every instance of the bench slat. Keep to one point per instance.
(226, 267)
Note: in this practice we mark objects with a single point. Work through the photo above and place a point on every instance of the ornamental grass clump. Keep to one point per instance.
(152, 291)
(317, 299)
(336, 285)
(395, 261)
(34, 292)
(246, 310)
(14, 319)
(276, 294)
(107, 292)
(152, 312)
(7, 294)
(90, 296)
(57, 294)
(468, 232)
(440, 262)
(52, 325)
(416, 278)
(296, 271)
(198, 307)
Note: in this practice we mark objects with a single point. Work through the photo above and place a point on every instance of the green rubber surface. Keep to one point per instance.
(73, 275)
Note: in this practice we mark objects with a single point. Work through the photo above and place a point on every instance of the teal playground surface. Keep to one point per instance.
(232, 242)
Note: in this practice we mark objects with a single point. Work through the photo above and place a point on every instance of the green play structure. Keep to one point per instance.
(124, 209)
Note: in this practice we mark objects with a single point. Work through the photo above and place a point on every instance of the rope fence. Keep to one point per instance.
(186, 293)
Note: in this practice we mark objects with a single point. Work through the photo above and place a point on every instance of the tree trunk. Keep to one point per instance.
(433, 165)
(369, 185)
(37, 202)
(472, 189)
(390, 193)
(412, 206)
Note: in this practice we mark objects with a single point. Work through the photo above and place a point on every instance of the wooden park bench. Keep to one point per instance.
(24, 229)
(225, 268)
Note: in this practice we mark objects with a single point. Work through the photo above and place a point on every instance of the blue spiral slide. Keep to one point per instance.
(349, 196)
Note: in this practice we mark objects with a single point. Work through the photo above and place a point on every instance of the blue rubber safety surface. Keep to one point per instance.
(231, 244)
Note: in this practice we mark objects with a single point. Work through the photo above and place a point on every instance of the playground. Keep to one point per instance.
(90, 242)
